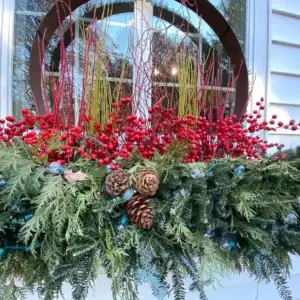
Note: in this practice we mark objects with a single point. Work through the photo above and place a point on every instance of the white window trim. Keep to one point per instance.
(7, 15)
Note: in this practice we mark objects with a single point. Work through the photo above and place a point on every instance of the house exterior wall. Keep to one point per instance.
(7, 11)
(283, 65)
(273, 55)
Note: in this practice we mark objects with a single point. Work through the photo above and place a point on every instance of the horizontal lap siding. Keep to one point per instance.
(284, 68)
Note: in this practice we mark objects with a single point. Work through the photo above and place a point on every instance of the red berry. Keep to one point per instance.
(80, 150)
(280, 124)
(106, 160)
(292, 122)
(24, 111)
(294, 128)
(257, 103)
(64, 137)
(93, 156)
(115, 154)
(274, 117)
(10, 119)
(129, 148)
(85, 155)
(262, 107)
(69, 151)
(100, 162)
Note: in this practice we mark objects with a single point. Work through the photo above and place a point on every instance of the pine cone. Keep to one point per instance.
(139, 211)
(147, 181)
(117, 182)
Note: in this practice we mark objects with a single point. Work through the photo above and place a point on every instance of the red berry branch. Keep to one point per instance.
(206, 138)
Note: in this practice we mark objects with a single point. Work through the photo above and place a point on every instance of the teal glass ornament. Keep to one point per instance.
(228, 245)
(3, 182)
(239, 170)
(209, 172)
(28, 217)
(124, 220)
(2, 252)
(191, 225)
(56, 168)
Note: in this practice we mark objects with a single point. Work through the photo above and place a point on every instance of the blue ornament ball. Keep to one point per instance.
(239, 170)
(124, 220)
(3, 182)
(108, 169)
(128, 194)
(291, 219)
(196, 173)
(228, 245)
(121, 227)
(208, 235)
(56, 168)
(28, 217)
(190, 225)
(2, 252)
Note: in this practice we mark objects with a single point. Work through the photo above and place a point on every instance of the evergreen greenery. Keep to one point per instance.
(223, 219)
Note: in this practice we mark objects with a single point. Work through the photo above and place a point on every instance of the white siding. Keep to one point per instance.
(284, 67)
(7, 9)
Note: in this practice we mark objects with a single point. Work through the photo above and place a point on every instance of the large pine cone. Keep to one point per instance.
(140, 211)
(147, 181)
(117, 182)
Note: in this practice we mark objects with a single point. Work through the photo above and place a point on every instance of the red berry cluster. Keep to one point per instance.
(123, 133)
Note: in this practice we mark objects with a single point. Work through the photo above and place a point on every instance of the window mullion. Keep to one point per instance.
(142, 62)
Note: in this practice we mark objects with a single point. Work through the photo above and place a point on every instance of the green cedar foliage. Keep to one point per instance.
(77, 227)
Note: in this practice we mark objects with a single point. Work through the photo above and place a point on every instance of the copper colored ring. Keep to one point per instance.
(208, 12)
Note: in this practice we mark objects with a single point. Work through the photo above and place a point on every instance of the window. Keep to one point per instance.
(171, 54)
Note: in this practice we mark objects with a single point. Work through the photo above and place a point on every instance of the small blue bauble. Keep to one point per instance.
(239, 170)
(2, 252)
(28, 218)
(108, 169)
(196, 173)
(3, 182)
(56, 168)
(128, 194)
(124, 220)
(291, 219)
(209, 172)
(191, 225)
(208, 235)
(121, 227)
(228, 246)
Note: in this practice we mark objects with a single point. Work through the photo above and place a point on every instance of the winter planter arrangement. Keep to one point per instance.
(144, 198)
